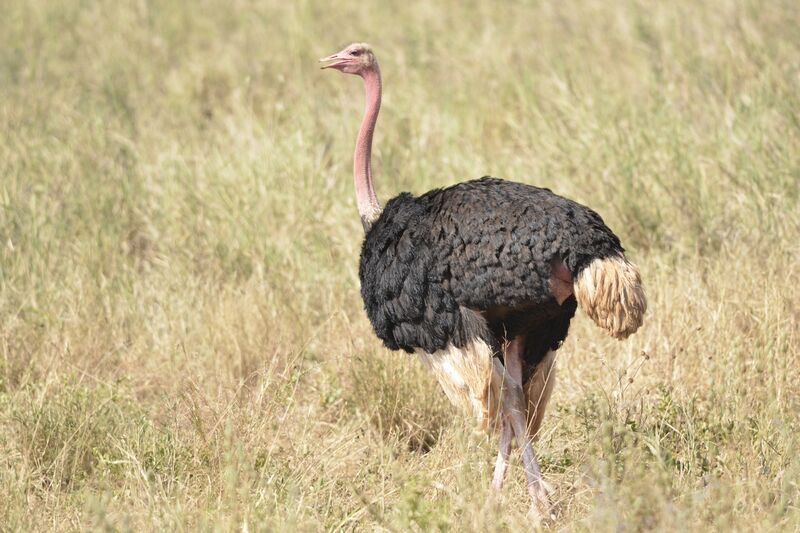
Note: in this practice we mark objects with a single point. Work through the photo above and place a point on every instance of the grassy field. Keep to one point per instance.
(182, 341)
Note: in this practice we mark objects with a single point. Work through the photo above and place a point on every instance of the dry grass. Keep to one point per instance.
(182, 344)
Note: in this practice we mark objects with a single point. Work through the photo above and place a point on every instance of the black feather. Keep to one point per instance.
(473, 260)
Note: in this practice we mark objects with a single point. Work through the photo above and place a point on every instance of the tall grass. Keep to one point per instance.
(182, 344)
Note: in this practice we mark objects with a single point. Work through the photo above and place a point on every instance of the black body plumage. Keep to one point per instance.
(475, 259)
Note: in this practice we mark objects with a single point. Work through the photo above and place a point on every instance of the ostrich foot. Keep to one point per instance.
(541, 510)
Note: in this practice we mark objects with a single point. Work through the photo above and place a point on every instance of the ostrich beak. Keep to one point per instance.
(336, 58)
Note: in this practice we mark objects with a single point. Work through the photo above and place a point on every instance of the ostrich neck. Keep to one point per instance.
(368, 206)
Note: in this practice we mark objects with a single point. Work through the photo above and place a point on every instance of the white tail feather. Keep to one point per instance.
(610, 291)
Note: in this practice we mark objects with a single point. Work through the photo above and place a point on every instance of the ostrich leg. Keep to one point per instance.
(538, 390)
(514, 408)
(502, 456)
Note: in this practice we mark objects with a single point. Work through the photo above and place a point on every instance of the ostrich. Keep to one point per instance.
(481, 279)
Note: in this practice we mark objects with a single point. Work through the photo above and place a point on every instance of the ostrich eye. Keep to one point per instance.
(356, 52)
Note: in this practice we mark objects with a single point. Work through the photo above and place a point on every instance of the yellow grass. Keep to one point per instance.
(182, 342)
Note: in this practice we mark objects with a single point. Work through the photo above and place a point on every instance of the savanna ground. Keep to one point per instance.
(182, 342)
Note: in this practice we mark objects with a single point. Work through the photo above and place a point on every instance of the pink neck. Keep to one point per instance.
(368, 206)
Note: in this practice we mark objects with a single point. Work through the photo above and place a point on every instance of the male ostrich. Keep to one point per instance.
(481, 279)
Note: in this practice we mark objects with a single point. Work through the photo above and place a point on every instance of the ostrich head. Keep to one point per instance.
(356, 58)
